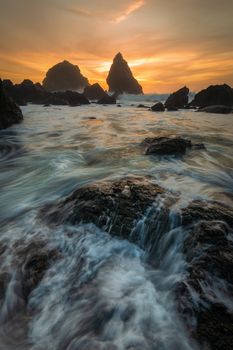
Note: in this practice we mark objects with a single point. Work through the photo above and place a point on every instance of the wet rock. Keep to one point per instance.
(178, 99)
(166, 145)
(113, 206)
(158, 107)
(199, 210)
(33, 258)
(107, 100)
(64, 76)
(94, 92)
(120, 78)
(204, 293)
(214, 95)
(10, 113)
(216, 109)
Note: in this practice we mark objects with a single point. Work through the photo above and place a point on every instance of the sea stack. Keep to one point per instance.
(214, 95)
(64, 76)
(120, 78)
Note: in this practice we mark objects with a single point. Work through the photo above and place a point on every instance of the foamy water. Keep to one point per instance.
(101, 293)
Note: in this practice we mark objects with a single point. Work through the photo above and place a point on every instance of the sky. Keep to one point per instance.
(168, 44)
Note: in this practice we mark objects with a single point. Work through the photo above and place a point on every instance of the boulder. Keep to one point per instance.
(166, 145)
(219, 109)
(94, 92)
(120, 78)
(178, 99)
(114, 206)
(64, 76)
(158, 107)
(214, 95)
(202, 294)
(10, 113)
(107, 100)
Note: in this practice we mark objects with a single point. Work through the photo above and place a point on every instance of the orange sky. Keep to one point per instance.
(167, 44)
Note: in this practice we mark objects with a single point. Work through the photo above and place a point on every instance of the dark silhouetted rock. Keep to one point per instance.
(10, 113)
(158, 107)
(142, 106)
(202, 295)
(94, 92)
(72, 98)
(214, 95)
(166, 145)
(120, 78)
(178, 99)
(64, 76)
(107, 100)
(216, 109)
(172, 109)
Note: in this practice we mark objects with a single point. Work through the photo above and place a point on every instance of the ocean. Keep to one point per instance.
(101, 293)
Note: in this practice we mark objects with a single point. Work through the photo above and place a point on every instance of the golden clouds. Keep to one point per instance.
(167, 44)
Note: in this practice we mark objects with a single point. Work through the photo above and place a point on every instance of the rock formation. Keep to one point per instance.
(10, 113)
(158, 107)
(28, 92)
(214, 95)
(219, 109)
(107, 100)
(169, 145)
(64, 76)
(94, 92)
(178, 99)
(120, 78)
(99, 203)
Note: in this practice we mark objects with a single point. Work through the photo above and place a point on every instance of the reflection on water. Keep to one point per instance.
(100, 293)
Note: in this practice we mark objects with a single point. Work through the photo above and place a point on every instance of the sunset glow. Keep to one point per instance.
(165, 48)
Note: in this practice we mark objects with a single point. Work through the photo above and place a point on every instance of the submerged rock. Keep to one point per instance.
(178, 99)
(219, 109)
(120, 78)
(94, 92)
(158, 107)
(214, 95)
(112, 206)
(64, 76)
(166, 145)
(107, 100)
(10, 113)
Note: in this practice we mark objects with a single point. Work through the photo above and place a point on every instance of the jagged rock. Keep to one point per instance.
(120, 78)
(214, 95)
(178, 99)
(113, 206)
(10, 113)
(166, 145)
(64, 76)
(209, 255)
(158, 107)
(107, 100)
(72, 98)
(216, 109)
(94, 92)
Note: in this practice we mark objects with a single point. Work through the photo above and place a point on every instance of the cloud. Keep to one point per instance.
(130, 9)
